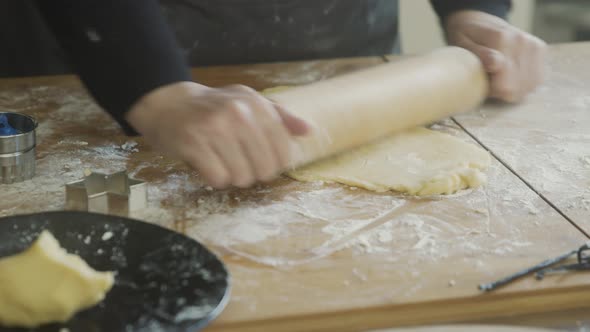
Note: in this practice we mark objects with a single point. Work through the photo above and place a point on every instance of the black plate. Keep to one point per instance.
(165, 281)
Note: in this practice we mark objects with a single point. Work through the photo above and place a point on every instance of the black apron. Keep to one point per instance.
(214, 32)
(28, 48)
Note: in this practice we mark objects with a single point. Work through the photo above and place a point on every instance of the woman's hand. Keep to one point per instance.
(513, 58)
(231, 135)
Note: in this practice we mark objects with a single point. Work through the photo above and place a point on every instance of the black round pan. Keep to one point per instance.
(164, 280)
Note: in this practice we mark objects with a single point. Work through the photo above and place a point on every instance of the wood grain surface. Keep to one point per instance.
(317, 257)
(546, 139)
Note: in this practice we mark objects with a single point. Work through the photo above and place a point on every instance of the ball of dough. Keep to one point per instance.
(45, 284)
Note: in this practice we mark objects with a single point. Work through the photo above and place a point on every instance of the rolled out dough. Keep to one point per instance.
(417, 162)
(45, 284)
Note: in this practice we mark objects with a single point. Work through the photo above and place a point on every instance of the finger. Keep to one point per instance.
(271, 122)
(269, 119)
(541, 59)
(502, 85)
(527, 68)
(496, 35)
(526, 58)
(280, 140)
(508, 83)
(492, 60)
(209, 165)
(254, 141)
(535, 53)
(500, 49)
(295, 125)
(236, 162)
(275, 131)
(240, 90)
(507, 88)
(496, 64)
(516, 79)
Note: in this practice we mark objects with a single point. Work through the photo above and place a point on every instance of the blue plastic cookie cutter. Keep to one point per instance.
(5, 128)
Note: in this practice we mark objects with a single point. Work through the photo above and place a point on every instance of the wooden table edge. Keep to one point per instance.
(458, 310)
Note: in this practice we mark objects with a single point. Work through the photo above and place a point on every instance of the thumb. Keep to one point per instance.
(295, 125)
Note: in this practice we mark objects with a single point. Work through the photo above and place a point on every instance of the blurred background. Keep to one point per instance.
(554, 21)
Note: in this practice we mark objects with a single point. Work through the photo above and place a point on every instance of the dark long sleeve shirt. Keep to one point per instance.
(122, 49)
(496, 7)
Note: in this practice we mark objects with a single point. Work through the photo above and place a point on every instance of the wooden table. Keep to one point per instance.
(545, 140)
(314, 256)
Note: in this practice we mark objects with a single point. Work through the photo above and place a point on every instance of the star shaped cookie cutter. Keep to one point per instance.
(115, 193)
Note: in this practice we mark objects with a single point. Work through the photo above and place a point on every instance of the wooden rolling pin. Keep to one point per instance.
(353, 109)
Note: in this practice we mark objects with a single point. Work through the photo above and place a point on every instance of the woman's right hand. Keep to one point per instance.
(230, 135)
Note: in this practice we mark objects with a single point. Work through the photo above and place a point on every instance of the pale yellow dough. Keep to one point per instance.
(416, 162)
(45, 284)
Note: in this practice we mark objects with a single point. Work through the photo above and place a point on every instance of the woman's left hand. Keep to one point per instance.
(514, 59)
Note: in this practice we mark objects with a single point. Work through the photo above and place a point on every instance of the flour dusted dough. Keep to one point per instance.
(45, 284)
(417, 162)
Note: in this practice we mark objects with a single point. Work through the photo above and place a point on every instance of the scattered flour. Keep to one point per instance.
(193, 313)
(130, 146)
(107, 236)
(72, 142)
(358, 274)
(384, 236)
(64, 160)
(230, 229)
(304, 73)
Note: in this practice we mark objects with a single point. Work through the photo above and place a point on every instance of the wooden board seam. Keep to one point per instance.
(522, 179)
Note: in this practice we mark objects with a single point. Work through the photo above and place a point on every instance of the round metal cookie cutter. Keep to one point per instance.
(17, 147)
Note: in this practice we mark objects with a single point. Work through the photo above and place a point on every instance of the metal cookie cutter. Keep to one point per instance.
(17, 147)
(115, 193)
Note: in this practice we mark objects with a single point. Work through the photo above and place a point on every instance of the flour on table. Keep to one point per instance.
(130, 146)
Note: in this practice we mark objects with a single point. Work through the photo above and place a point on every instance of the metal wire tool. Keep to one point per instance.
(545, 267)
